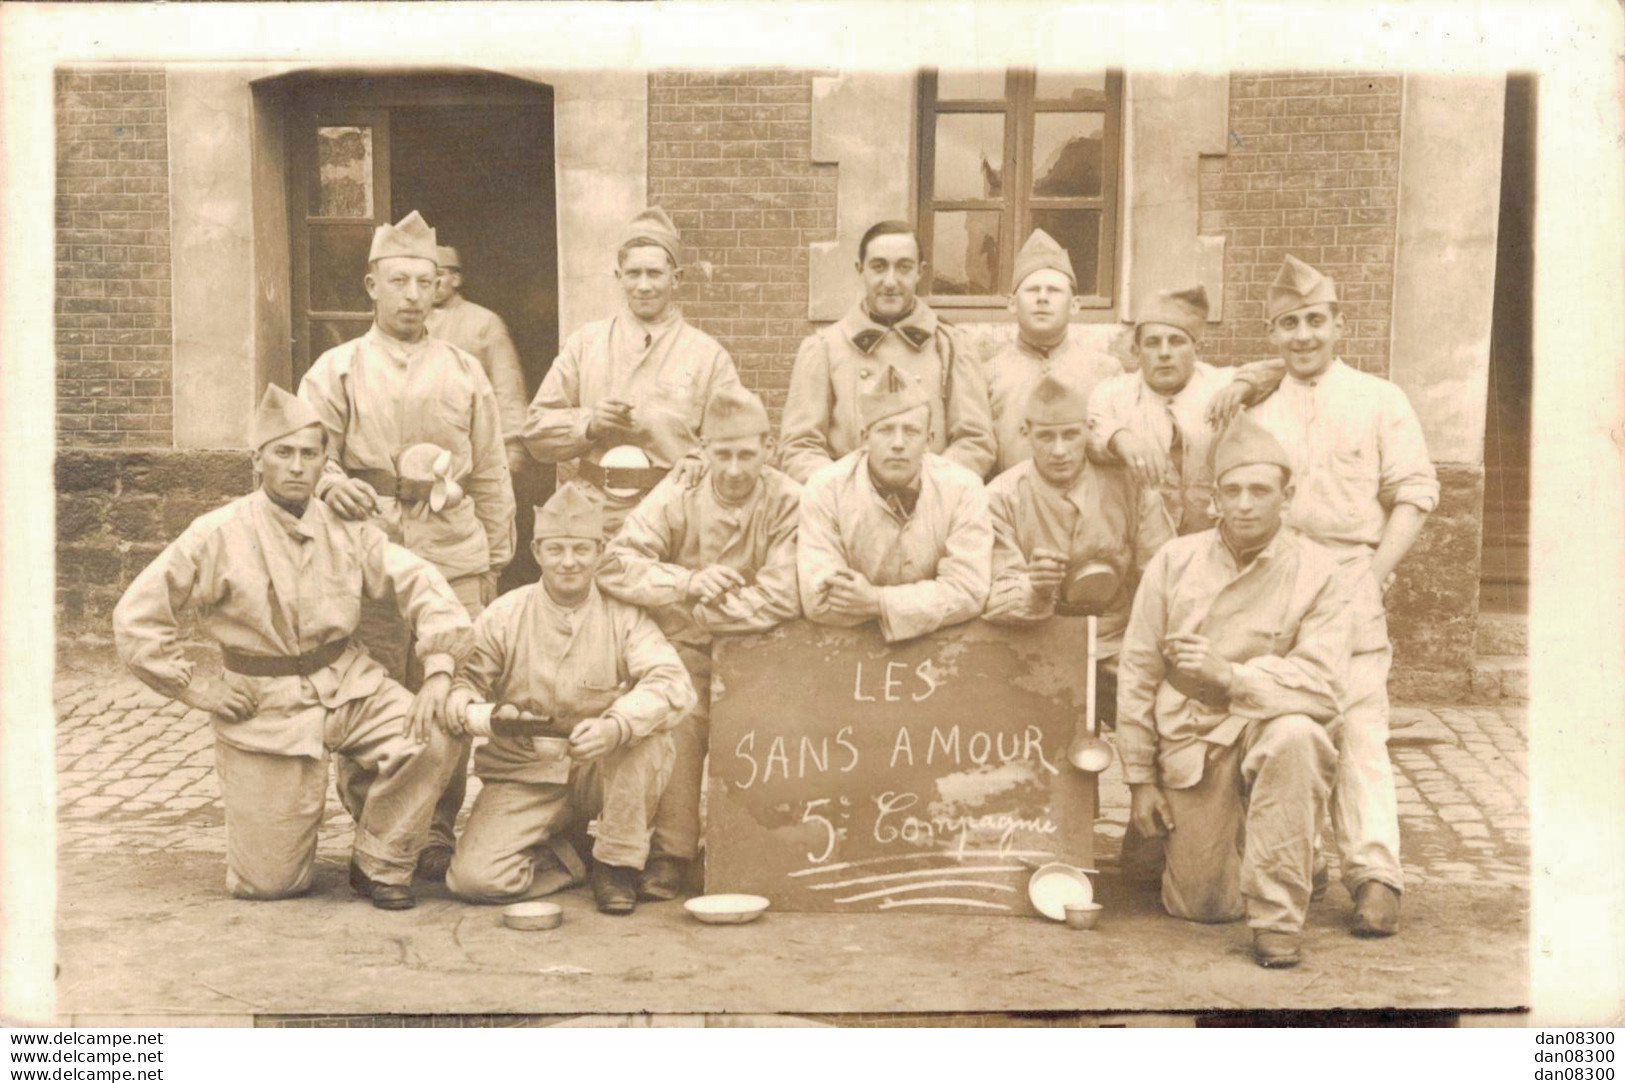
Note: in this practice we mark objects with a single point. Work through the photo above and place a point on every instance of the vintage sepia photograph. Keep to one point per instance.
(958, 542)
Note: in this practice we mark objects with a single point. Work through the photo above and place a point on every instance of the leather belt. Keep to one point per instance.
(387, 484)
(641, 478)
(303, 665)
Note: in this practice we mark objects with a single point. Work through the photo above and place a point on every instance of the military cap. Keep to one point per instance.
(1298, 286)
(279, 414)
(1185, 309)
(411, 236)
(654, 226)
(732, 412)
(1041, 253)
(572, 512)
(1246, 443)
(447, 257)
(893, 394)
(1057, 399)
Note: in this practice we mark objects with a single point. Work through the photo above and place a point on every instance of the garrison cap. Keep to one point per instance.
(411, 236)
(279, 414)
(1041, 253)
(447, 257)
(1246, 443)
(1298, 286)
(1057, 399)
(572, 512)
(1185, 309)
(654, 226)
(732, 412)
(893, 394)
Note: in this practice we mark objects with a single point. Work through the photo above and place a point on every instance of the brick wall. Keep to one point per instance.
(1312, 169)
(115, 512)
(113, 331)
(730, 159)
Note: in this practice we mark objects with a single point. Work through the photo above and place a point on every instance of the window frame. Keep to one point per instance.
(1020, 107)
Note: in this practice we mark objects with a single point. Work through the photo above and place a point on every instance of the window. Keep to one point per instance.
(1005, 152)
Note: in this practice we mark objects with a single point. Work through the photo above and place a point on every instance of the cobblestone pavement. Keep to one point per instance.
(137, 772)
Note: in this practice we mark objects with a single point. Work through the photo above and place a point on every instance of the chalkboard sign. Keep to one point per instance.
(852, 775)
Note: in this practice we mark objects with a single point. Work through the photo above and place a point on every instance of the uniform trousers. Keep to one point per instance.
(389, 640)
(1364, 806)
(677, 820)
(503, 855)
(1244, 835)
(274, 803)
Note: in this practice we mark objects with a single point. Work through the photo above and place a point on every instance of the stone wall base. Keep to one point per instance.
(115, 512)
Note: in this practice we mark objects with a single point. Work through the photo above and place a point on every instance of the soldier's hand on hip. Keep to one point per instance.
(352, 498)
(214, 695)
(593, 737)
(1227, 404)
(429, 709)
(1149, 811)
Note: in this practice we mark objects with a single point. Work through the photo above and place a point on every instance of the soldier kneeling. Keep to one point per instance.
(601, 671)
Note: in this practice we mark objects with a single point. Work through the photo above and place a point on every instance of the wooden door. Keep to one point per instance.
(338, 193)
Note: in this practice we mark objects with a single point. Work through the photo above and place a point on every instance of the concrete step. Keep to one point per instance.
(1498, 677)
(1505, 634)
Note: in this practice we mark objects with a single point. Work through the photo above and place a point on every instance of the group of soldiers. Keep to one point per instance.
(1232, 529)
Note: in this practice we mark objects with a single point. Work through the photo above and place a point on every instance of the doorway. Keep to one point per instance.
(471, 151)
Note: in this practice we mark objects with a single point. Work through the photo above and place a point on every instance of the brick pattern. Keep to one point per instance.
(116, 510)
(114, 336)
(730, 158)
(1312, 170)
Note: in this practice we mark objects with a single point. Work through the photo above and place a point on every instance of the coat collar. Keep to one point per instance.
(865, 334)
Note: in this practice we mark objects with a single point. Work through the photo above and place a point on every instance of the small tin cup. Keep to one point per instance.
(1083, 915)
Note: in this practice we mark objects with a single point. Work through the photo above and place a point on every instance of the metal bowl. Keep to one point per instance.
(1083, 915)
(1051, 887)
(726, 909)
(533, 915)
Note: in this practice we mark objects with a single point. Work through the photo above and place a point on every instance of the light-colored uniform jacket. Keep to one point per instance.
(1104, 517)
(677, 531)
(1127, 402)
(668, 371)
(1283, 622)
(603, 658)
(1357, 450)
(481, 332)
(1017, 368)
(269, 585)
(933, 566)
(838, 363)
(377, 397)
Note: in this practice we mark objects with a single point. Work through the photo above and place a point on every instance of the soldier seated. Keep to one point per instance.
(612, 687)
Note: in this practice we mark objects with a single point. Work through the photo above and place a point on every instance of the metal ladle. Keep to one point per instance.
(1087, 590)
